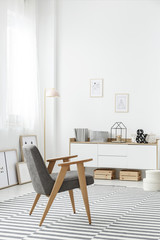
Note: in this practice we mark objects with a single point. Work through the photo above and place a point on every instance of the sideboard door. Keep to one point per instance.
(85, 151)
(142, 157)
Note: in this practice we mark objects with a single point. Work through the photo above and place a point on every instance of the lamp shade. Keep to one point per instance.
(52, 92)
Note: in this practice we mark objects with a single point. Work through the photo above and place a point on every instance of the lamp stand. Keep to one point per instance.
(45, 125)
(51, 92)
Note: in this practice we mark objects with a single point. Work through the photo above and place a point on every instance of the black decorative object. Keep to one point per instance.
(118, 132)
(141, 137)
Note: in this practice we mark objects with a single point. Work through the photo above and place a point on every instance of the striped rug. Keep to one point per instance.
(117, 213)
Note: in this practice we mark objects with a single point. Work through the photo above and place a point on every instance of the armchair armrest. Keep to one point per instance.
(61, 158)
(53, 161)
(74, 162)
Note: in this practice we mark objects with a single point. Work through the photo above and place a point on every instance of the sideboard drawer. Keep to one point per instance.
(112, 150)
(112, 161)
(85, 151)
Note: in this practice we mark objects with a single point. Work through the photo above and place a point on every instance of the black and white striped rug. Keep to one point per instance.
(117, 213)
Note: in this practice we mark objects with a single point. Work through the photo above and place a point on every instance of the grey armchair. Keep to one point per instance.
(47, 183)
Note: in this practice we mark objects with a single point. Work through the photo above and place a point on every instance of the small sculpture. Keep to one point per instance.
(141, 137)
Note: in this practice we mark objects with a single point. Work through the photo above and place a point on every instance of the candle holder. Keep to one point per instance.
(119, 132)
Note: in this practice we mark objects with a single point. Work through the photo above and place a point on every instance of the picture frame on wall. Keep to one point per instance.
(96, 87)
(121, 102)
(27, 140)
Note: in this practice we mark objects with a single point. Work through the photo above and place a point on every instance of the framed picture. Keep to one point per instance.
(27, 140)
(23, 173)
(96, 87)
(121, 102)
(8, 161)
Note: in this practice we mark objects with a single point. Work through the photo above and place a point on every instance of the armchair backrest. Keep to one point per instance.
(41, 180)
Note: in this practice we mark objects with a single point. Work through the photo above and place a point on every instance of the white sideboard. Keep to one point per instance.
(114, 155)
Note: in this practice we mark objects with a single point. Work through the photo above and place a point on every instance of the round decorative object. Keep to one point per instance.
(151, 138)
(153, 175)
(152, 180)
(119, 138)
(150, 186)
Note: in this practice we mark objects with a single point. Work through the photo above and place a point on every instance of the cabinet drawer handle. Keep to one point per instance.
(112, 155)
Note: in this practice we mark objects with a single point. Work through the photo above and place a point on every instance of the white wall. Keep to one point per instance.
(118, 41)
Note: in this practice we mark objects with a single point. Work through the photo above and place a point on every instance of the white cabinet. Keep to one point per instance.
(85, 151)
(142, 157)
(111, 155)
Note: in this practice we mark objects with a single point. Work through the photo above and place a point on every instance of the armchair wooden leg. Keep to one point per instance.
(72, 200)
(35, 202)
(55, 190)
(83, 187)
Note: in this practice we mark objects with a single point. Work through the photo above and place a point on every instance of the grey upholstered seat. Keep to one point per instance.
(43, 181)
(71, 180)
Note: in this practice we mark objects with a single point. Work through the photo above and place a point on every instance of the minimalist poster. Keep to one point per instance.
(96, 87)
(121, 103)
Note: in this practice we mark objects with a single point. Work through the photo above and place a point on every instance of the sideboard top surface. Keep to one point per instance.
(128, 142)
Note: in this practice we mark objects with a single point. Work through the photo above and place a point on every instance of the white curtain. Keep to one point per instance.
(21, 85)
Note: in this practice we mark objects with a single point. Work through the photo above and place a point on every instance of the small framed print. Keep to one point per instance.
(23, 173)
(27, 140)
(121, 102)
(96, 87)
